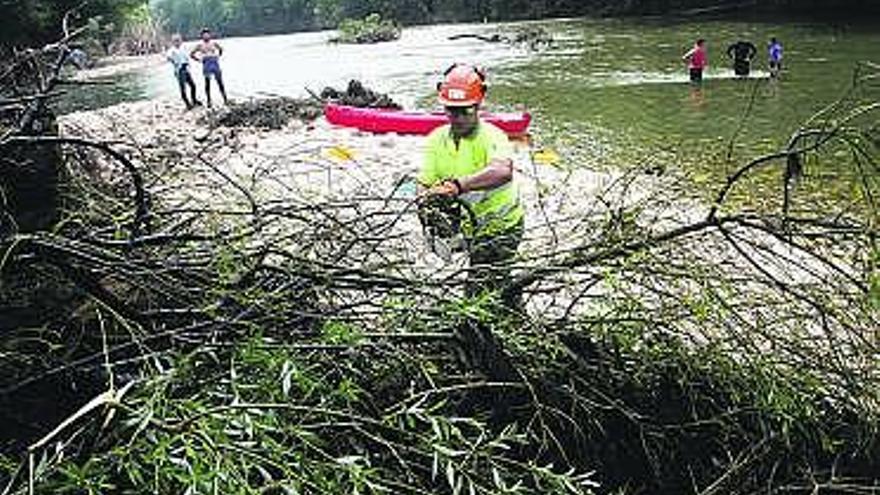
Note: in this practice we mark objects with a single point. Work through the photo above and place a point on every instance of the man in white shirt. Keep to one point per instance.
(179, 58)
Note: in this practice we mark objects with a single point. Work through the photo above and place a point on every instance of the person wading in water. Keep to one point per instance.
(697, 60)
(208, 52)
(471, 161)
(742, 53)
(774, 51)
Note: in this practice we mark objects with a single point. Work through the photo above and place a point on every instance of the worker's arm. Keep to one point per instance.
(497, 173)
(192, 54)
(219, 48)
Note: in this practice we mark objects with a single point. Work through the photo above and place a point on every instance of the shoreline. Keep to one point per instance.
(117, 65)
(317, 163)
(227, 174)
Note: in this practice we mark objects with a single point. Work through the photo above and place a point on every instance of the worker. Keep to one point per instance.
(471, 162)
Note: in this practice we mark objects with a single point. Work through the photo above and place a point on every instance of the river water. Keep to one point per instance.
(607, 93)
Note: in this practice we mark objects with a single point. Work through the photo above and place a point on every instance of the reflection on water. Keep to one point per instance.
(697, 99)
(619, 86)
(125, 87)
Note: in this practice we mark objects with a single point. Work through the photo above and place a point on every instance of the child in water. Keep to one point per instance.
(774, 51)
(697, 61)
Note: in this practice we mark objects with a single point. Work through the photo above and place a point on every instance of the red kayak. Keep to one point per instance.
(381, 121)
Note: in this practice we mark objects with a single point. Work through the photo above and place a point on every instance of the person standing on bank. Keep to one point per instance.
(208, 52)
(470, 160)
(697, 60)
(742, 53)
(180, 61)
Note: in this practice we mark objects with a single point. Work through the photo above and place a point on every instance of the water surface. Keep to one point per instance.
(608, 93)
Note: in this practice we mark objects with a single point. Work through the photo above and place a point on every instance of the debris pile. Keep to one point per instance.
(269, 113)
(357, 95)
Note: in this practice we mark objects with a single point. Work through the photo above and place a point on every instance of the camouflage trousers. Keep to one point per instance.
(491, 261)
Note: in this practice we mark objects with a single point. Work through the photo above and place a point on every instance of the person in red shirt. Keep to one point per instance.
(697, 60)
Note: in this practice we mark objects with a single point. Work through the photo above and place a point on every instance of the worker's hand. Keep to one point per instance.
(446, 188)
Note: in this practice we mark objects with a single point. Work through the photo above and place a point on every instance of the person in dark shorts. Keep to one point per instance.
(180, 60)
(697, 61)
(774, 51)
(208, 52)
(742, 53)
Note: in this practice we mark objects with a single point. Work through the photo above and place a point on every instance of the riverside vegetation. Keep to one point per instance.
(239, 17)
(370, 29)
(139, 26)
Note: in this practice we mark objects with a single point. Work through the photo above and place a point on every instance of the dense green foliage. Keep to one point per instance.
(237, 17)
(349, 422)
(26, 22)
(370, 29)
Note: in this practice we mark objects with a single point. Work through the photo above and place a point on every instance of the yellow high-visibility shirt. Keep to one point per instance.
(495, 209)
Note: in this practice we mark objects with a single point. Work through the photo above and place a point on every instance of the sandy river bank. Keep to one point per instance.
(191, 165)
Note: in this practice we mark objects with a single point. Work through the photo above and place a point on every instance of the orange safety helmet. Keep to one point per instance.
(463, 86)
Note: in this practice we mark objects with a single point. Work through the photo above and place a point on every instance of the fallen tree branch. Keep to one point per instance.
(141, 214)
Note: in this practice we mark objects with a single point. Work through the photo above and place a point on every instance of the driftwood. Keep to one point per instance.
(534, 38)
(32, 167)
(495, 38)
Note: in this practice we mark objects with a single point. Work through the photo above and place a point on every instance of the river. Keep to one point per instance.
(607, 93)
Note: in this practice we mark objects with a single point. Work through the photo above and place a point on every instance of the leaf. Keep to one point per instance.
(286, 377)
(450, 474)
(435, 427)
(459, 483)
(340, 153)
(349, 460)
(446, 451)
(546, 157)
(266, 475)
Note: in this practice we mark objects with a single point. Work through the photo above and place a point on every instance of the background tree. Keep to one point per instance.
(245, 17)
(28, 22)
